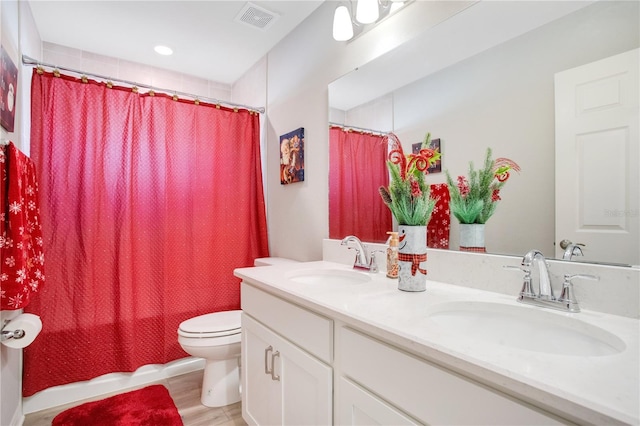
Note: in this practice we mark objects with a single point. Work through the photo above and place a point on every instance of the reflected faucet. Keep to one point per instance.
(361, 261)
(571, 249)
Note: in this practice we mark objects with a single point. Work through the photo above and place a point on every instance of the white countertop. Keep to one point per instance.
(588, 389)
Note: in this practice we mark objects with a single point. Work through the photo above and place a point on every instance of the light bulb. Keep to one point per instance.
(367, 11)
(163, 50)
(342, 26)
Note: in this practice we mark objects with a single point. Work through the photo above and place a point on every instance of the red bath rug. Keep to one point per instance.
(150, 406)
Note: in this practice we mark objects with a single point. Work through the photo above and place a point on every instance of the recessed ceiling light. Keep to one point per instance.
(163, 50)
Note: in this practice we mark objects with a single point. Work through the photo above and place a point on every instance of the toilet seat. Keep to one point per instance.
(217, 324)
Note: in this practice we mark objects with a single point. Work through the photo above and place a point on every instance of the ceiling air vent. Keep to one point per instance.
(256, 16)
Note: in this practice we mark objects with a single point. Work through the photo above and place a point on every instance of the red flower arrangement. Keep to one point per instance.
(408, 194)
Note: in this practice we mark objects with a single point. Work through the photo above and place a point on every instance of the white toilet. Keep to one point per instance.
(216, 338)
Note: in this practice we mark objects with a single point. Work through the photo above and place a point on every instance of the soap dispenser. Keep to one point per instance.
(392, 255)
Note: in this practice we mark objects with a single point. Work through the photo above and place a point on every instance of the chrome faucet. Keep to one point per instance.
(545, 291)
(545, 297)
(571, 249)
(363, 261)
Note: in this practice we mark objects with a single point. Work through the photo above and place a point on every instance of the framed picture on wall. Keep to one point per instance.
(8, 90)
(434, 145)
(292, 157)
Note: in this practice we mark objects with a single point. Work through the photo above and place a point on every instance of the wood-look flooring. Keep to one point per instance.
(185, 391)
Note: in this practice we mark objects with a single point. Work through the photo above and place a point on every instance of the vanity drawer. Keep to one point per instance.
(310, 331)
(426, 391)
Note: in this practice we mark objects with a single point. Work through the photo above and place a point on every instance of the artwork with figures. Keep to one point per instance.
(292, 157)
(8, 88)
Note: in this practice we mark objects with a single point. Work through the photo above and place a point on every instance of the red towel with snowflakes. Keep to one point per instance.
(440, 223)
(21, 251)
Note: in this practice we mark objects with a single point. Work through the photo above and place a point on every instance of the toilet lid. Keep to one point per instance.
(217, 323)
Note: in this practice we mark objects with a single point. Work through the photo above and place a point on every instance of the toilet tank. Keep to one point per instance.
(269, 261)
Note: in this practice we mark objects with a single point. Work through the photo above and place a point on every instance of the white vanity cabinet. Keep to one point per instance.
(428, 392)
(360, 354)
(284, 378)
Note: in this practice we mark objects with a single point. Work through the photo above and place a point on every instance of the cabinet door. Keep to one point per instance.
(260, 393)
(357, 407)
(298, 392)
(307, 387)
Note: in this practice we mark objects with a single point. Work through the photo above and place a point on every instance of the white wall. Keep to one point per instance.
(299, 71)
(134, 72)
(18, 36)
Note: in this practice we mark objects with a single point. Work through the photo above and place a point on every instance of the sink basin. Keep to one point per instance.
(328, 276)
(522, 327)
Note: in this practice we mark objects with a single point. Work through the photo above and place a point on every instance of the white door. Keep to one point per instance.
(598, 159)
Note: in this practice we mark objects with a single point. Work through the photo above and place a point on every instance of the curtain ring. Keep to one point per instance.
(196, 101)
(152, 93)
(39, 70)
(56, 72)
(134, 89)
(84, 79)
(174, 97)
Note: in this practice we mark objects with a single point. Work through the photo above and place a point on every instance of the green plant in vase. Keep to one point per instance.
(475, 198)
(408, 195)
(409, 198)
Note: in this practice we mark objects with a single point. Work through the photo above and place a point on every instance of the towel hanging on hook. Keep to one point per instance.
(21, 243)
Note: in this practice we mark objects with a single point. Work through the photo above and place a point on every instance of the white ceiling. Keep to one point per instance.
(206, 40)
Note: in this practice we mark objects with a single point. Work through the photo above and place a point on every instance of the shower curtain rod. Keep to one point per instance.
(26, 60)
(360, 129)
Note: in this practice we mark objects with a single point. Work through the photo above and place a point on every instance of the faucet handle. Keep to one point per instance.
(569, 277)
(567, 297)
(514, 268)
(527, 289)
(373, 264)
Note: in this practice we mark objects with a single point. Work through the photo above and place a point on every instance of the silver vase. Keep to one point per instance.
(472, 237)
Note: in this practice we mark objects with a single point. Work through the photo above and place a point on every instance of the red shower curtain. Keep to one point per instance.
(148, 204)
(357, 169)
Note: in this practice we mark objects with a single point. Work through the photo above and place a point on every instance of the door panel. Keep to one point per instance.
(598, 159)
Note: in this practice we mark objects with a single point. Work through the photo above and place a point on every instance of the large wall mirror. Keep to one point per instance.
(485, 78)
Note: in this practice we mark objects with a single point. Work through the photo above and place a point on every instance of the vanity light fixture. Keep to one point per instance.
(367, 11)
(163, 50)
(342, 25)
(367, 14)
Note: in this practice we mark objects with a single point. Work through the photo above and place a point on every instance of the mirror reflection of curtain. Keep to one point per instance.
(356, 171)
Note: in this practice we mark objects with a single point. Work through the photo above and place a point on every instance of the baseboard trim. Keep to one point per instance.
(107, 384)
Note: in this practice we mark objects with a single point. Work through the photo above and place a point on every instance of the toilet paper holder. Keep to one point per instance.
(10, 334)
